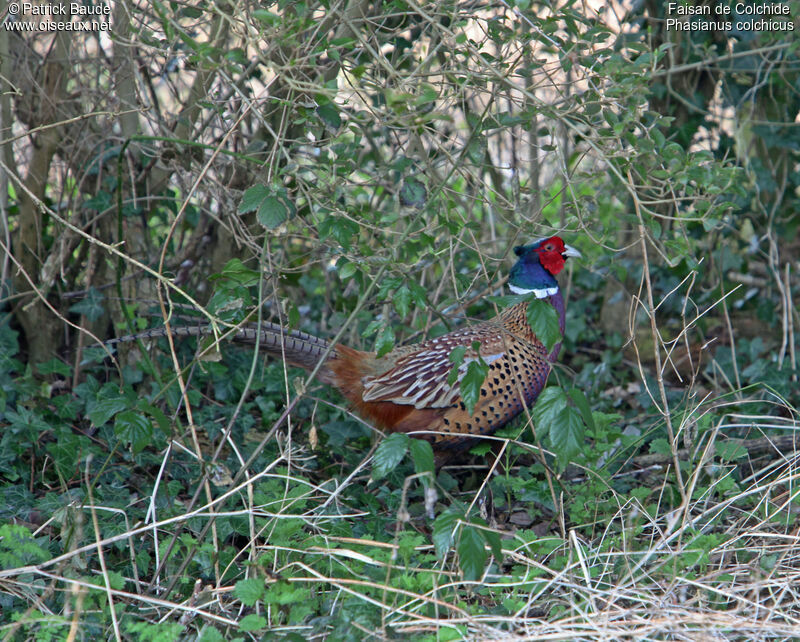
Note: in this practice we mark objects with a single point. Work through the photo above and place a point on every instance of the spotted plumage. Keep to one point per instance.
(407, 390)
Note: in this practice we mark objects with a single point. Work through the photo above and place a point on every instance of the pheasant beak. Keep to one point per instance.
(571, 251)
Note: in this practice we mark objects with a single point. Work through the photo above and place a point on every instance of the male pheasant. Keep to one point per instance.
(407, 390)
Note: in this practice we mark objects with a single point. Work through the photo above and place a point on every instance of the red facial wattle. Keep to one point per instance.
(551, 255)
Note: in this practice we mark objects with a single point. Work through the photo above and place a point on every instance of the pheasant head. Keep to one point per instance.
(535, 271)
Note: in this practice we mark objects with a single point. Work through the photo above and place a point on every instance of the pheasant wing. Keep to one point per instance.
(419, 374)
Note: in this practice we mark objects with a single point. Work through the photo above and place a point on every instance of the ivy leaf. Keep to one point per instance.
(135, 429)
(156, 414)
(65, 451)
(340, 432)
(387, 285)
(543, 320)
(99, 202)
(27, 421)
(91, 306)
(471, 553)
(472, 382)
(567, 435)
(389, 453)
(104, 409)
(54, 366)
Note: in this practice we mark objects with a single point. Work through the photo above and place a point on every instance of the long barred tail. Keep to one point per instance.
(295, 347)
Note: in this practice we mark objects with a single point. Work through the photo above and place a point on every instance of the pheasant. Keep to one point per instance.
(407, 390)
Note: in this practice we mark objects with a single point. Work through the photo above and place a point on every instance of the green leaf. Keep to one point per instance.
(272, 212)
(329, 114)
(660, 446)
(341, 432)
(444, 530)
(422, 455)
(65, 452)
(19, 547)
(384, 341)
(293, 315)
(209, 634)
(567, 435)
(413, 193)
(419, 294)
(271, 205)
(583, 405)
(605, 423)
(346, 268)
(91, 306)
(550, 403)
(249, 591)
(428, 95)
(372, 328)
(543, 320)
(133, 428)
(471, 553)
(252, 622)
(104, 409)
(27, 422)
(99, 202)
(252, 198)
(493, 540)
(340, 228)
(238, 273)
(476, 149)
(54, 366)
(472, 382)
(730, 450)
(285, 593)
(156, 414)
(389, 454)
(402, 301)
(267, 17)
(456, 357)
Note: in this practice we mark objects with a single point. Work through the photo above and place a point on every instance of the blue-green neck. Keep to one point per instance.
(529, 277)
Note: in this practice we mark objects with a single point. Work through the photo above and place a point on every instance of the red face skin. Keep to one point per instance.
(551, 253)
